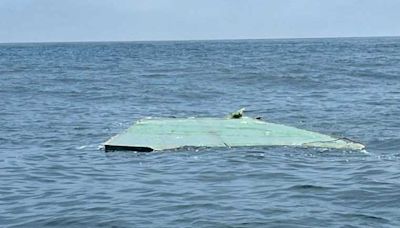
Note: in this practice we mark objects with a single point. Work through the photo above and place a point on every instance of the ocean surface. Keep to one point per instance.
(60, 101)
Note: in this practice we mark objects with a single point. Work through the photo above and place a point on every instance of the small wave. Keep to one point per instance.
(88, 146)
(309, 187)
(364, 217)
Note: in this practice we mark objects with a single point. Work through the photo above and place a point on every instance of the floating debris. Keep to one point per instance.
(235, 131)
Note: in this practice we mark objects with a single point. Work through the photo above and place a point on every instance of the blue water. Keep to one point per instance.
(61, 101)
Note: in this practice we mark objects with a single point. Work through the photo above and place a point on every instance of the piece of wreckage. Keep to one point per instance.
(236, 130)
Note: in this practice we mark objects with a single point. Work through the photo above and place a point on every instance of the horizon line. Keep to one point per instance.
(192, 40)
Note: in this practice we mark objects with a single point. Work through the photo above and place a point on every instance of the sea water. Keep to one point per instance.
(60, 101)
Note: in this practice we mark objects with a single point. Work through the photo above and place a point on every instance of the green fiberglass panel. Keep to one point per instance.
(160, 134)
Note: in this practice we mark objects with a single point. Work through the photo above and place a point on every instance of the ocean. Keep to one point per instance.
(61, 101)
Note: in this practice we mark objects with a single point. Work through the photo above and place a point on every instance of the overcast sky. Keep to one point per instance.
(128, 20)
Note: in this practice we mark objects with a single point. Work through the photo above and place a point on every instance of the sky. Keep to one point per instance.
(132, 20)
